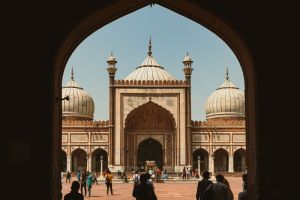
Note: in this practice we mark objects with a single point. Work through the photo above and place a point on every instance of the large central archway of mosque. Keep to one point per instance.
(150, 151)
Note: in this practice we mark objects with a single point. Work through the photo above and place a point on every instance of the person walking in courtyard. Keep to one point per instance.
(89, 182)
(74, 195)
(95, 178)
(83, 182)
(78, 176)
(68, 177)
(108, 181)
(184, 173)
(203, 186)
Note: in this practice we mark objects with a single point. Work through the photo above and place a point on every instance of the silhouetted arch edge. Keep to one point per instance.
(193, 11)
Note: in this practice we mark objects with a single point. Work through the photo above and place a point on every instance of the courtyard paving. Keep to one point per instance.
(164, 191)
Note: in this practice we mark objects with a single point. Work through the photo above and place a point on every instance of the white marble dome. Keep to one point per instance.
(226, 101)
(80, 104)
(150, 70)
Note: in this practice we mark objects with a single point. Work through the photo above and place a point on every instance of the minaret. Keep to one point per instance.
(111, 72)
(187, 61)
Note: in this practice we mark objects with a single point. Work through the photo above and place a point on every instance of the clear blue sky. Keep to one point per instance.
(172, 36)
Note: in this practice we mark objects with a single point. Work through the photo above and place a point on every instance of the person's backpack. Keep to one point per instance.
(136, 179)
(208, 192)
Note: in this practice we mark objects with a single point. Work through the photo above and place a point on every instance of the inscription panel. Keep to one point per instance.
(99, 138)
(79, 138)
(201, 138)
(239, 138)
(220, 138)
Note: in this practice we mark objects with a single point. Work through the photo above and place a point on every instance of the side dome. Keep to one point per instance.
(80, 104)
(226, 101)
(150, 70)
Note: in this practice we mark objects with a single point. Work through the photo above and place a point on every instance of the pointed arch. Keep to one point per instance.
(150, 116)
(193, 10)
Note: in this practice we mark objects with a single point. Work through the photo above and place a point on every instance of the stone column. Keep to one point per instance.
(243, 163)
(199, 164)
(75, 163)
(69, 157)
(230, 167)
(101, 166)
(89, 163)
(211, 165)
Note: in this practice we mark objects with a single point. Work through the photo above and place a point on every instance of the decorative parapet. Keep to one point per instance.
(150, 82)
(101, 123)
(85, 123)
(219, 122)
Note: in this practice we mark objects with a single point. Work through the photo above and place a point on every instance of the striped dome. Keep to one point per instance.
(80, 104)
(226, 101)
(150, 70)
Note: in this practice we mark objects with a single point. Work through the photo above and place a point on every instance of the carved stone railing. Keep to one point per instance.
(219, 122)
(150, 82)
(89, 123)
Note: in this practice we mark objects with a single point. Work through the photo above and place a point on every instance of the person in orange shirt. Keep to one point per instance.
(108, 181)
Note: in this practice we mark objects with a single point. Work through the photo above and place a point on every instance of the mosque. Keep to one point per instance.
(150, 122)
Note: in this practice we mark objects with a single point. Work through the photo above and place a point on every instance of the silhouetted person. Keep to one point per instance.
(244, 194)
(144, 190)
(74, 195)
(203, 185)
(184, 173)
(220, 190)
(68, 177)
(225, 181)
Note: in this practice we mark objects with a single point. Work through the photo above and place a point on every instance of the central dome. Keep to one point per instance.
(150, 70)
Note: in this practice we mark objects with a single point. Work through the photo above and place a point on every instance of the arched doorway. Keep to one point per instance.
(154, 121)
(150, 150)
(203, 159)
(196, 12)
(221, 160)
(96, 157)
(63, 161)
(79, 160)
(239, 160)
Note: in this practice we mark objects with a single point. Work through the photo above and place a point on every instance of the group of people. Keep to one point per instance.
(187, 173)
(85, 180)
(144, 189)
(207, 190)
(158, 174)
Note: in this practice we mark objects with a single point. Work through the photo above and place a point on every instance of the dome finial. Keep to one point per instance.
(149, 47)
(72, 74)
(227, 74)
